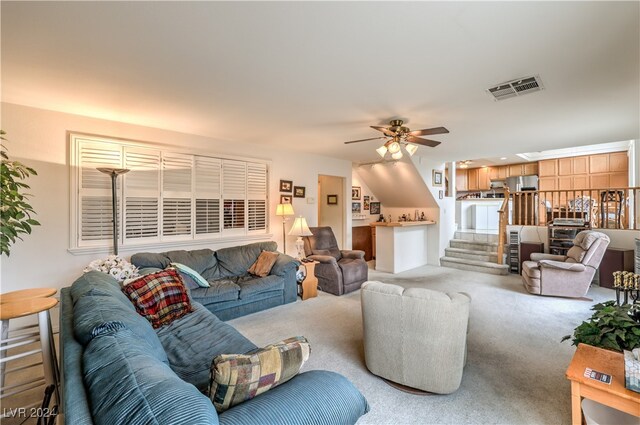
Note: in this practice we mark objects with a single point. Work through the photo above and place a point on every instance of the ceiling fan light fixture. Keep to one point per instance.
(397, 155)
(382, 151)
(411, 149)
(394, 147)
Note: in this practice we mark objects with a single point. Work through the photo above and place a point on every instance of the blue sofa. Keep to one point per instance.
(233, 292)
(118, 370)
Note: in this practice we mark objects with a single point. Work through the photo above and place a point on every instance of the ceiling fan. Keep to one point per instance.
(400, 136)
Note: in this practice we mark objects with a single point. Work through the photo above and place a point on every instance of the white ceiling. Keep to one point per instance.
(309, 76)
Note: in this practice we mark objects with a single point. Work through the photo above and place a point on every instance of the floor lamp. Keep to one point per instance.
(284, 211)
(114, 173)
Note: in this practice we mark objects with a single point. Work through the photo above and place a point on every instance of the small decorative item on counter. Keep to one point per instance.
(629, 284)
(422, 218)
(114, 266)
(632, 369)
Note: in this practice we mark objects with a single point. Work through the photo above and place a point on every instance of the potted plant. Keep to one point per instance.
(15, 211)
(612, 327)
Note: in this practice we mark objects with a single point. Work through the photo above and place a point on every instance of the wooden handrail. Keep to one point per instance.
(603, 208)
(503, 220)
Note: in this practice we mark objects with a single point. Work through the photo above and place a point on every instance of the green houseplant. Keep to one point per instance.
(612, 326)
(15, 211)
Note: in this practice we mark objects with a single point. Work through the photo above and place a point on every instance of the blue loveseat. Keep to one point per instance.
(118, 370)
(233, 292)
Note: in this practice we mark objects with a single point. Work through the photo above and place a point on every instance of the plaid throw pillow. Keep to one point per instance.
(160, 297)
(236, 378)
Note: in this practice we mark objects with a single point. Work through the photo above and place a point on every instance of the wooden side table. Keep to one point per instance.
(21, 304)
(309, 286)
(613, 395)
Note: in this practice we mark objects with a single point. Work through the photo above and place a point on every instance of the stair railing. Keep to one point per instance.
(503, 215)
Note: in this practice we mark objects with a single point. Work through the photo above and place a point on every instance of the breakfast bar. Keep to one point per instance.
(401, 246)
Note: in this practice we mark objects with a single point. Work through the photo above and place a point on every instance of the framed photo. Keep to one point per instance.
(374, 208)
(285, 199)
(286, 186)
(332, 199)
(441, 194)
(299, 191)
(365, 202)
(437, 178)
(355, 207)
(355, 193)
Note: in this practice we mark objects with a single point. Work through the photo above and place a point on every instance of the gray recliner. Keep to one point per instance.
(566, 275)
(339, 271)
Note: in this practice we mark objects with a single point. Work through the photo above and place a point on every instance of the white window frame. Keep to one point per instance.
(78, 247)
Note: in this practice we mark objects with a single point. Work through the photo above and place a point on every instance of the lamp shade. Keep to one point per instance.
(382, 151)
(300, 227)
(284, 210)
(411, 149)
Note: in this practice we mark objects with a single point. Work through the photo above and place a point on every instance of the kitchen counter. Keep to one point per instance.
(402, 223)
(481, 200)
(478, 213)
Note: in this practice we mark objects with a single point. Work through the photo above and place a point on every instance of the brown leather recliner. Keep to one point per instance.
(339, 271)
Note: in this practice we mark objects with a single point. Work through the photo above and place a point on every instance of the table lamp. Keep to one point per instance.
(284, 210)
(300, 229)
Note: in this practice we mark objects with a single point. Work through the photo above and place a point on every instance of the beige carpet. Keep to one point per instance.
(516, 363)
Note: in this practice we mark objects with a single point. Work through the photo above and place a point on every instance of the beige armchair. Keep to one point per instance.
(415, 337)
(566, 275)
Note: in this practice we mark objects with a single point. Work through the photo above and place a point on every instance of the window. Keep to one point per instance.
(165, 197)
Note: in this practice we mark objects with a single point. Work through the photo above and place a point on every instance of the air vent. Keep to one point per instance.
(516, 88)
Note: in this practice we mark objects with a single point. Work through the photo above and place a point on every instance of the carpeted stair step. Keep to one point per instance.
(474, 265)
(474, 236)
(470, 254)
(474, 246)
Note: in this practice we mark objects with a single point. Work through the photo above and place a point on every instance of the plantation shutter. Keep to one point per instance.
(207, 195)
(176, 195)
(141, 195)
(95, 225)
(234, 193)
(257, 197)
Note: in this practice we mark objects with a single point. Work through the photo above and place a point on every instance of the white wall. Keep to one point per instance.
(619, 238)
(39, 138)
(366, 191)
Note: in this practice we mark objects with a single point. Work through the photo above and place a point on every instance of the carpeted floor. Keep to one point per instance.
(516, 363)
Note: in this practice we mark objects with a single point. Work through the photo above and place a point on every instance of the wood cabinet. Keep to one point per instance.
(529, 169)
(493, 173)
(619, 179)
(548, 183)
(361, 239)
(548, 168)
(484, 182)
(472, 179)
(580, 164)
(599, 181)
(461, 179)
(503, 172)
(565, 167)
(599, 163)
(580, 182)
(515, 170)
(613, 260)
(618, 161)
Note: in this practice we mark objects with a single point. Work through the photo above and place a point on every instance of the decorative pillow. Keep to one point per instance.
(190, 276)
(160, 297)
(576, 253)
(235, 378)
(263, 264)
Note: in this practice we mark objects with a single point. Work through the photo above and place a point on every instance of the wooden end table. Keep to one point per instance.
(613, 395)
(309, 286)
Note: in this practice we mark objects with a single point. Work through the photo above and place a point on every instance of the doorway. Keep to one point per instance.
(331, 205)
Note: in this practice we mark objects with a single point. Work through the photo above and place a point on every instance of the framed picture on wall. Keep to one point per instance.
(374, 208)
(355, 193)
(299, 191)
(437, 178)
(355, 207)
(285, 199)
(365, 202)
(332, 199)
(286, 186)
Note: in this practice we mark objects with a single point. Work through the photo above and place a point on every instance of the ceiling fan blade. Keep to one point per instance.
(424, 142)
(385, 130)
(429, 131)
(364, 140)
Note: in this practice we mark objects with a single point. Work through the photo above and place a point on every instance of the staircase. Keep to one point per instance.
(474, 251)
